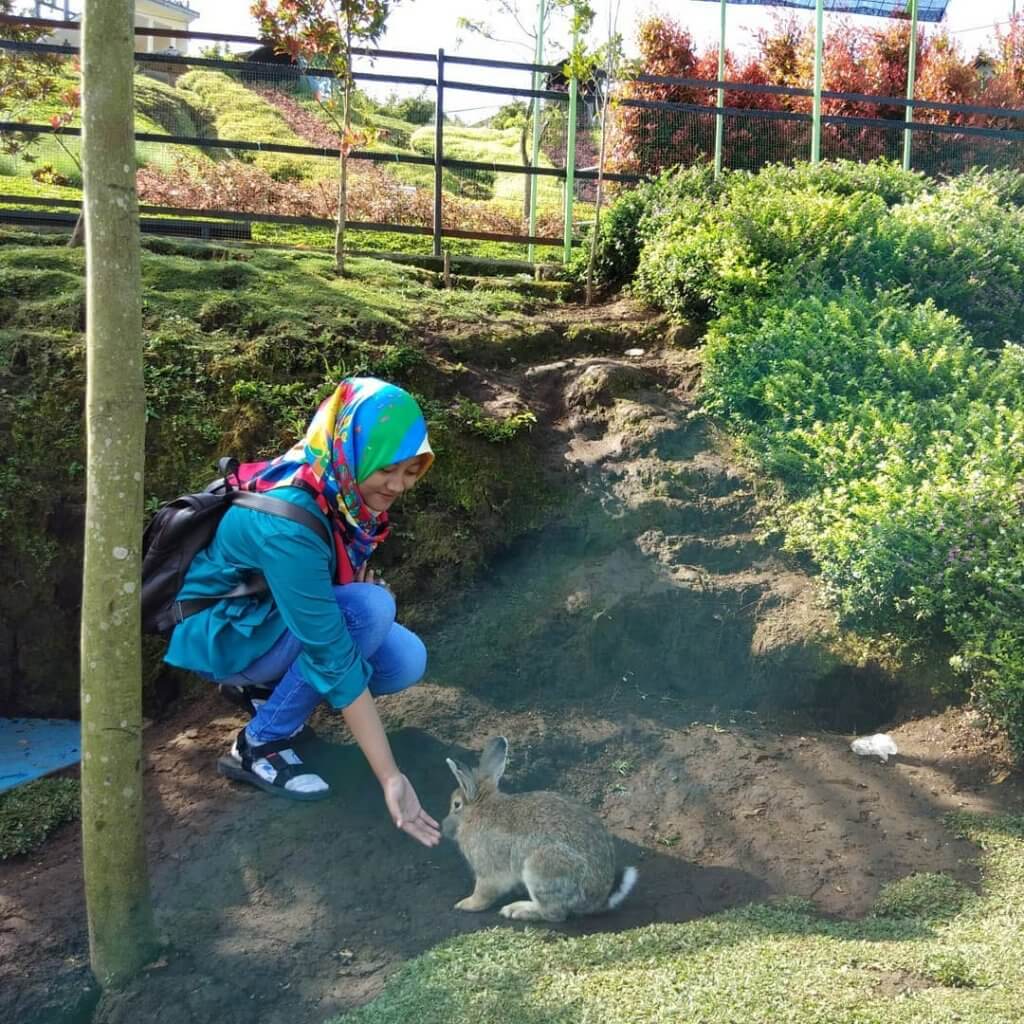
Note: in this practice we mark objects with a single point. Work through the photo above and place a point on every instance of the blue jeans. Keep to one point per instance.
(397, 656)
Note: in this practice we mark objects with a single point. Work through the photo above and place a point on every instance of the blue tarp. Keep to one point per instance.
(32, 747)
(927, 10)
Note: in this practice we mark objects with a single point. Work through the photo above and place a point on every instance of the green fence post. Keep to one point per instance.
(720, 117)
(908, 133)
(570, 162)
(539, 54)
(819, 33)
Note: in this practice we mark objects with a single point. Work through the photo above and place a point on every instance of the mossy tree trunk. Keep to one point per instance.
(113, 851)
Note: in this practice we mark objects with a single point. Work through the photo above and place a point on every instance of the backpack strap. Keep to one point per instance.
(284, 509)
(255, 583)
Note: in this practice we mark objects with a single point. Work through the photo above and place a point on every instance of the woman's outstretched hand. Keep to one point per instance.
(406, 812)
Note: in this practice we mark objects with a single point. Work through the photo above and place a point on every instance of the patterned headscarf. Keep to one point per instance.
(364, 426)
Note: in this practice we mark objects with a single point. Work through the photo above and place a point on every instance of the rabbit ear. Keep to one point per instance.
(492, 760)
(464, 777)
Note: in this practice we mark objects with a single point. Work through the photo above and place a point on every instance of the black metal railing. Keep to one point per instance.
(246, 142)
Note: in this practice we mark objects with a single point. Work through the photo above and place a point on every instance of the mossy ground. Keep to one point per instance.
(31, 812)
(240, 346)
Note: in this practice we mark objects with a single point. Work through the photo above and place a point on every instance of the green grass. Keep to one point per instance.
(15, 185)
(490, 145)
(240, 114)
(947, 955)
(160, 109)
(395, 242)
(31, 812)
(240, 344)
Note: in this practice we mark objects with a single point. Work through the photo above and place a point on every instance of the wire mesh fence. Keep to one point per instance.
(249, 148)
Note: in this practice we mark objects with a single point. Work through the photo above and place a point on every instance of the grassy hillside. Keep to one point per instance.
(489, 145)
(240, 346)
(160, 109)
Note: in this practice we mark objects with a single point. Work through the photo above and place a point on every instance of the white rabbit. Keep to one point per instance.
(558, 850)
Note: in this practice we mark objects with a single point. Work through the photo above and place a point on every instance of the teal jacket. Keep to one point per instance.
(299, 568)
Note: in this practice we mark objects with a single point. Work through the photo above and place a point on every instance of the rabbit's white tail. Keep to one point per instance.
(626, 882)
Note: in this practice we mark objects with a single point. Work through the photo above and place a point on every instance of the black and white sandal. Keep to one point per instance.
(274, 767)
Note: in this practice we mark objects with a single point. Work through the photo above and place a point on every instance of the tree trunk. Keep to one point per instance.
(121, 935)
(78, 235)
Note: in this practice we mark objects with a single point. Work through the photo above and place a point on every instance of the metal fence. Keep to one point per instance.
(678, 127)
(243, 148)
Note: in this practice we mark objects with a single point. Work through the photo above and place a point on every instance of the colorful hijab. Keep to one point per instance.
(364, 426)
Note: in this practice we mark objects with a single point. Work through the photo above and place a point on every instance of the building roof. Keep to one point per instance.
(174, 5)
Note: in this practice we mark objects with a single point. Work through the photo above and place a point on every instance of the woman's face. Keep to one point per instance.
(381, 487)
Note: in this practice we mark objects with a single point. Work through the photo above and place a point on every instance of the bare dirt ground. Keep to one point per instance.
(647, 653)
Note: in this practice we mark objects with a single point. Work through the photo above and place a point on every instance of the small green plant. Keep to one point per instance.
(952, 969)
(31, 812)
(926, 896)
(474, 418)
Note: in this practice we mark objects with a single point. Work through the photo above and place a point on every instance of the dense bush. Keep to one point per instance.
(869, 61)
(902, 443)
(702, 255)
(961, 243)
(883, 178)
(864, 341)
(417, 109)
(962, 246)
(634, 213)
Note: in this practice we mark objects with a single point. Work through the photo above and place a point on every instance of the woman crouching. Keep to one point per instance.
(323, 631)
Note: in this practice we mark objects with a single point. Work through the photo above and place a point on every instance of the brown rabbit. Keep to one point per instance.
(558, 850)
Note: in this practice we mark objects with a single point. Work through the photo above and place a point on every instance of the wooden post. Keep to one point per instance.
(447, 269)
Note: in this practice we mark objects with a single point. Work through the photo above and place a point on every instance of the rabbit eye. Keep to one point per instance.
(456, 805)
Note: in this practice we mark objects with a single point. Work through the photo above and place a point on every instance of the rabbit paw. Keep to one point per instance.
(472, 903)
(526, 910)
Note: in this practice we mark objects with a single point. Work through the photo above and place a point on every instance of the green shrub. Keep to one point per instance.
(1004, 184)
(963, 247)
(902, 444)
(961, 244)
(883, 178)
(31, 812)
(701, 257)
(635, 212)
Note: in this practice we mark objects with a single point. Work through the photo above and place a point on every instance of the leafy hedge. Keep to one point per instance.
(31, 812)
(864, 339)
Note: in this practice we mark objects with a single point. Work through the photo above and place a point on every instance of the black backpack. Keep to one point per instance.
(183, 527)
